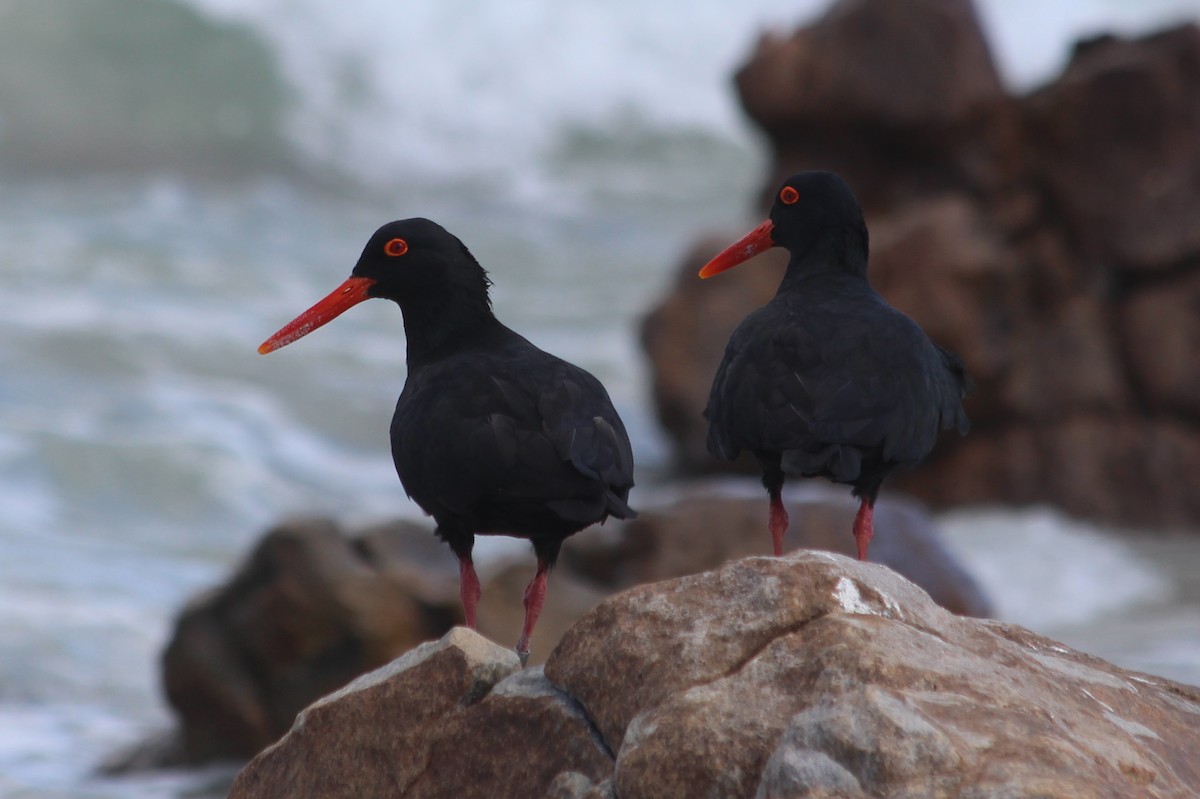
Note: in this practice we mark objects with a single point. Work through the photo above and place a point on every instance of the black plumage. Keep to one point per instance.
(828, 380)
(491, 435)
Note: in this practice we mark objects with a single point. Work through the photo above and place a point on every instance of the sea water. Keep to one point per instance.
(577, 150)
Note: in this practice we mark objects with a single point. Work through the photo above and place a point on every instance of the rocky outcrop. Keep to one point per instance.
(893, 96)
(808, 675)
(1047, 238)
(315, 606)
(1116, 142)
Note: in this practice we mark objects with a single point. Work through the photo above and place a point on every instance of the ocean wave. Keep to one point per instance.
(505, 97)
(1047, 571)
(119, 85)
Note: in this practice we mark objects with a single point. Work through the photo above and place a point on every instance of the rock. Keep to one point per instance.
(1047, 239)
(803, 676)
(313, 608)
(1092, 465)
(1117, 141)
(451, 718)
(380, 717)
(1159, 331)
(920, 104)
(815, 675)
(707, 526)
(545, 734)
(1065, 362)
(308, 611)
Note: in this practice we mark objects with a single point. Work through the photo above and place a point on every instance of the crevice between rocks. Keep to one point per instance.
(579, 707)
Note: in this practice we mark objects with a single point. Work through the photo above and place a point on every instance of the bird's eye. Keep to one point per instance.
(395, 248)
(788, 195)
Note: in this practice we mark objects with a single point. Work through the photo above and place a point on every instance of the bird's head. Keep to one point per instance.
(808, 207)
(413, 262)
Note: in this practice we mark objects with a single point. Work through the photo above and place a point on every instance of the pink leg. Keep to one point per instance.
(779, 522)
(468, 589)
(535, 597)
(864, 530)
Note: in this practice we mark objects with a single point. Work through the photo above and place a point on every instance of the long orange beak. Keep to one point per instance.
(344, 297)
(743, 249)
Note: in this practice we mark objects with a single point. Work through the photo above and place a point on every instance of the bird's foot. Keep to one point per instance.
(864, 528)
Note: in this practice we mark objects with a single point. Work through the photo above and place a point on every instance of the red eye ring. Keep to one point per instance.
(395, 248)
(788, 195)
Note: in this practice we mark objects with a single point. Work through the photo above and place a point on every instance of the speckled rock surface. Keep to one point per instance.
(802, 676)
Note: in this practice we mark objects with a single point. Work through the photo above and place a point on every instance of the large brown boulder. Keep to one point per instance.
(804, 676)
(875, 87)
(815, 675)
(1116, 141)
(1048, 239)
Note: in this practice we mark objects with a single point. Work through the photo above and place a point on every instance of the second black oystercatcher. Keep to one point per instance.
(827, 379)
(491, 435)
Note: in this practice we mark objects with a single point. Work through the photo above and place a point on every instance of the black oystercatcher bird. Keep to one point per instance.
(491, 435)
(827, 379)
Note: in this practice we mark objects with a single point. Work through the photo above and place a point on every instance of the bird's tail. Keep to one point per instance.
(616, 505)
(953, 414)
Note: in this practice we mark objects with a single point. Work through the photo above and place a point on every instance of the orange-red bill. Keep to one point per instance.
(344, 297)
(743, 249)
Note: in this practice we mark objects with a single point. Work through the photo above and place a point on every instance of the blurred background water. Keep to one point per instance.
(178, 179)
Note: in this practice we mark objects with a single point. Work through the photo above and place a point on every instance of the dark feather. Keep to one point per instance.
(833, 382)
(510, 439)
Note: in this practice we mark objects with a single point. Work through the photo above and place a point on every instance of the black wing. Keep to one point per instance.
(512, 439)
(825, 384)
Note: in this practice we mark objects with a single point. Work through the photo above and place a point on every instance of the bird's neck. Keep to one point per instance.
(440, 326)
(835, 250)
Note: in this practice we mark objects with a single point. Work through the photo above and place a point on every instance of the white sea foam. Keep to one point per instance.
(1045, 570)
(492, 91)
